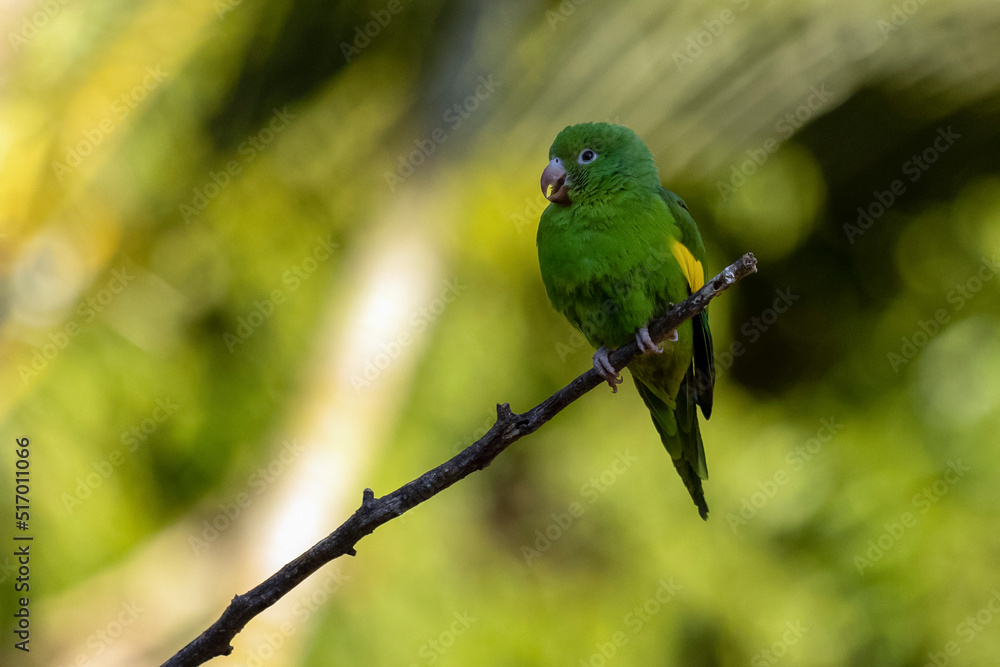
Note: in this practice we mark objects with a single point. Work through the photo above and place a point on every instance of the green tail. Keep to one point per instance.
(678, 429)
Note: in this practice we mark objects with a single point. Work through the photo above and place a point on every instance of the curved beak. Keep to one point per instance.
(554, 185)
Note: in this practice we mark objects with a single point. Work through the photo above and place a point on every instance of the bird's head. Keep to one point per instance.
(590, 161)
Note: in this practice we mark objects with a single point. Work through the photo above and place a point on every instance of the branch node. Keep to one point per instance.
(367, 497)
(508, 423)
(351, 551)
(505, 418)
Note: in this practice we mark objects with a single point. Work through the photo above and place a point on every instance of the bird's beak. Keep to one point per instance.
(554, 185)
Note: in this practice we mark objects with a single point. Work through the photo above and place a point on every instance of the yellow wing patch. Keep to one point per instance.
(690, 267)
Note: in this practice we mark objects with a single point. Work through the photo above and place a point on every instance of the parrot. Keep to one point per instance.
(616, 249)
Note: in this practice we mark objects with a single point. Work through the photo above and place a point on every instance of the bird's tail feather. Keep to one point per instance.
(679, 432)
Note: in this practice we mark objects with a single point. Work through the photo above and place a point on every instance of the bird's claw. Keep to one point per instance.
(604, 368)
(646, 344)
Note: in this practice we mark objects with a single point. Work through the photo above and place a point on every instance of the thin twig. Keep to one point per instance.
(374, 512)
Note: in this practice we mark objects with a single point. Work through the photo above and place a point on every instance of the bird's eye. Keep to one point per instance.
(586, 156)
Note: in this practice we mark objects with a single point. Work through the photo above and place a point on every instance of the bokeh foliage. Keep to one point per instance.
(314, 223)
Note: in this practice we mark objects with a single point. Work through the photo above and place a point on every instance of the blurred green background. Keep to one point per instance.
(258, 256)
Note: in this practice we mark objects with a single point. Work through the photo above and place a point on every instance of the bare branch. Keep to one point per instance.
(508, 429)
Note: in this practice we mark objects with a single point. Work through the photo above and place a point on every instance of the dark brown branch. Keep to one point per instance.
(374, 512)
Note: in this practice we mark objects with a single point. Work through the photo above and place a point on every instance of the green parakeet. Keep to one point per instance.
(617, 249)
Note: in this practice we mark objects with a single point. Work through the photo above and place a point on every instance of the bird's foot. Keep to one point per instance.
(604, 368)
(673, 334)
(646, 344)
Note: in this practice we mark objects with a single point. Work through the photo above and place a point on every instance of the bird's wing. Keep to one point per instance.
(689, 251)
